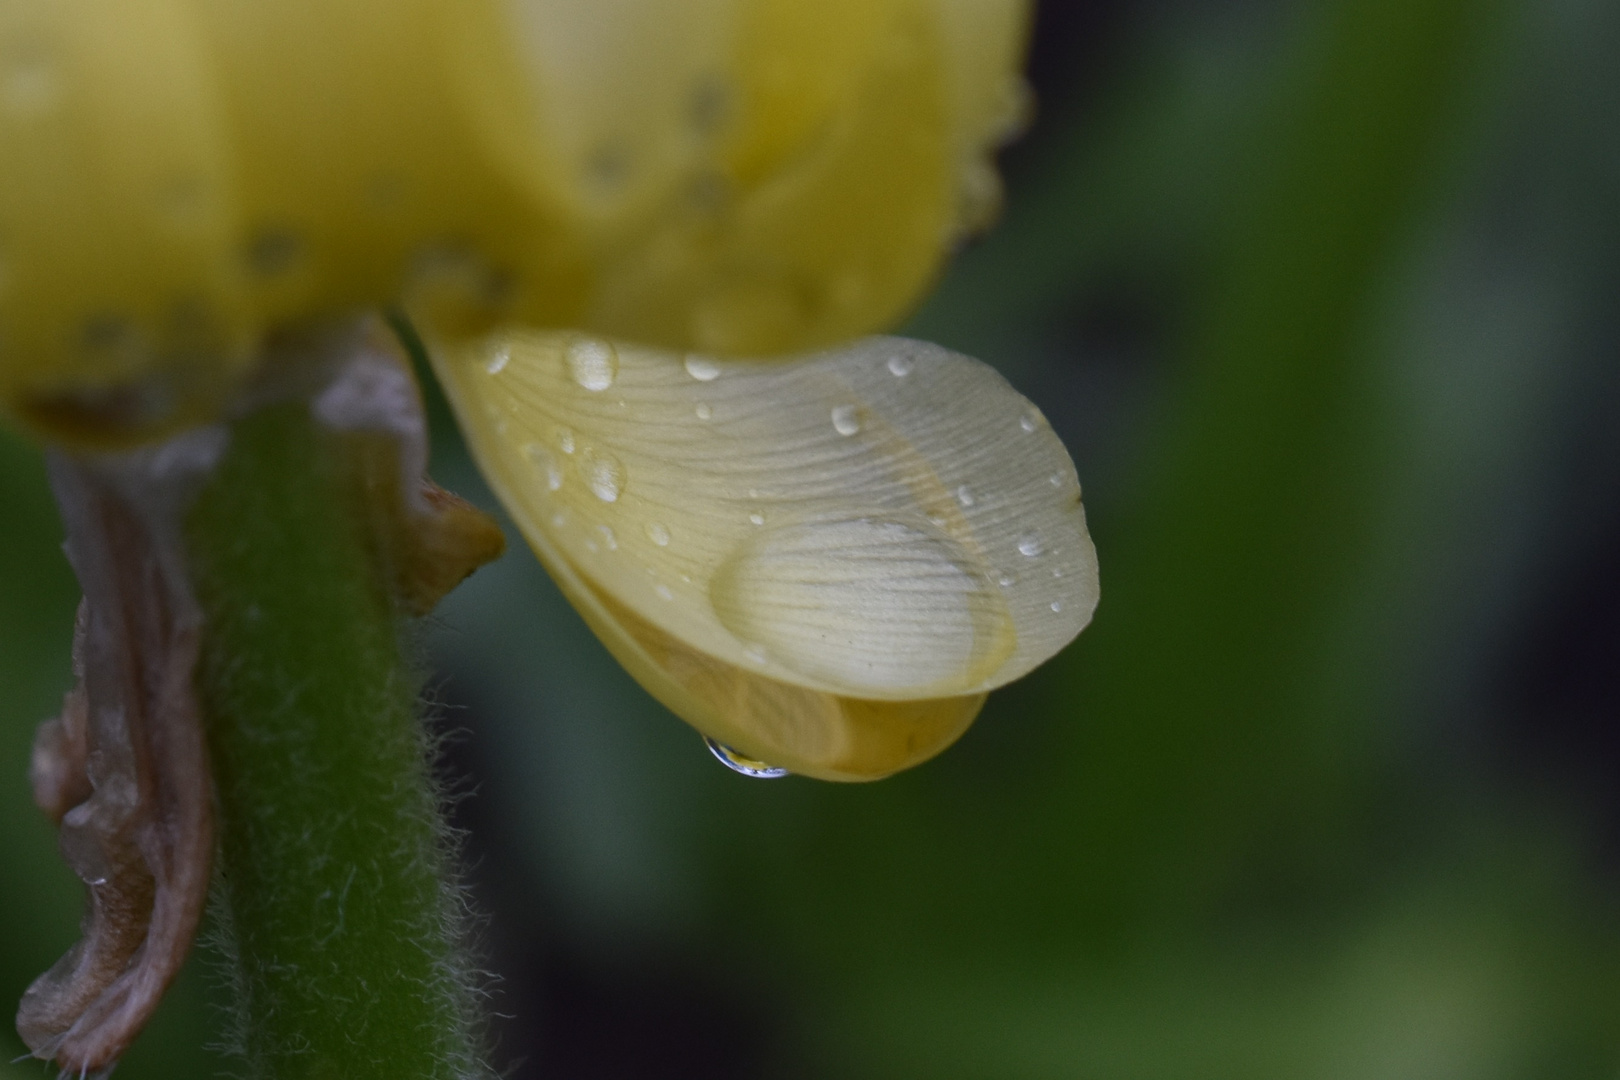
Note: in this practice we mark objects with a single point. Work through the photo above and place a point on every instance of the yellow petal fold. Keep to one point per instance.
(824, 563)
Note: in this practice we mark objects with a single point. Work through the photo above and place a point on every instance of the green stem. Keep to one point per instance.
(337, 910)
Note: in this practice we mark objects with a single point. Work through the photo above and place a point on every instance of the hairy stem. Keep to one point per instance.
(337, 910)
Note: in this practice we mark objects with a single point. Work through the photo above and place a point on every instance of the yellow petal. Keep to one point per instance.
(115, 207)
(178, 179)
(764, 543)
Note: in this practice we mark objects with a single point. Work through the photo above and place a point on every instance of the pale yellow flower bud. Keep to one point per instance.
(179, 179)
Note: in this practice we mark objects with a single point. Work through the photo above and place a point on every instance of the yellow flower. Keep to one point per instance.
(823, 564)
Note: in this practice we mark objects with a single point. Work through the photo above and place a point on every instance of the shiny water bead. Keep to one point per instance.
(592, 362)
(702, 368)
(835, 580)
(737, 763)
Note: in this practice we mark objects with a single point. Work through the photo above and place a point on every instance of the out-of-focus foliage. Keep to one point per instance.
(1320, 294)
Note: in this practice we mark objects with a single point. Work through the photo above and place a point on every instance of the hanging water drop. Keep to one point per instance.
(845, 421)
(739, 764)
(593, 363)
(702, 368)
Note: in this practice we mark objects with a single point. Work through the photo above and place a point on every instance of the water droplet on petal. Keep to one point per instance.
(739, 764)
(1057, 605)
(1030, 420)
(757, 519)
(603, 475)
(565, 440)
(498, 360)
(608, 537)
(546, 463)
(900, 366)
(1030, 545)
(704, 412)
(559, 519)
(658, 533)
(1007, 581)
(964, 496)
(702, 368)
(1056, 479)
(274, 251)
(593, 362)
(663, 591)
(845, 421)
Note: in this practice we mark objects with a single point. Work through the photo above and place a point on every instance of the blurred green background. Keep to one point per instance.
(1322, 297)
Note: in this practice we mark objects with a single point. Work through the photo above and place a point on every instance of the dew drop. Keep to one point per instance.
(739, 764)
(559, 519)
(1056, 480)
(274, 251)
(1029, 421)
(704, 412)
(593, 362)
(663, 592)
(702, 368)
(757, 519)
(498, 360)
(1057, 605)
(964, 496)
(1007, 581)
(603, 475)
(900, 366)
(542, 459)
(609, 539)
(658, 533)
(565, 440)
(844, 420)
(1030, 545)
(756, 653)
